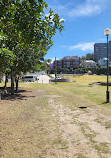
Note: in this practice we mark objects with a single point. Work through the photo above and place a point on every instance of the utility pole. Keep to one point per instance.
(55, 71)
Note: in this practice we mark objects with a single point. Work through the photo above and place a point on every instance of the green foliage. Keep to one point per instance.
(6, 59)
(45, 64)
(27, 30)
(88, 56)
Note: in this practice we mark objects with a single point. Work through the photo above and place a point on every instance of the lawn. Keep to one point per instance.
(80, 87)
(46, 121)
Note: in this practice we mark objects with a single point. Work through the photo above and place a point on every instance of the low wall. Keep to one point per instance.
(61, 80)
(105, 83)
(100, 83)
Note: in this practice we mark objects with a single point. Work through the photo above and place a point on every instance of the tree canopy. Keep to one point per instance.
(88, 56)
(26, 31)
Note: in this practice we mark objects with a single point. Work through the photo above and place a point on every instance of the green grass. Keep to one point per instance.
(108, 124)
(58, 141)
(102, 147)
(79, 88)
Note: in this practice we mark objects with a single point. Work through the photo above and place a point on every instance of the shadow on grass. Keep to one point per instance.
(17, 95)
(106, 103)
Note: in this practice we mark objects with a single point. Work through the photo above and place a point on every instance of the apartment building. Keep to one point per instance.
(100, 51)
(67, 62)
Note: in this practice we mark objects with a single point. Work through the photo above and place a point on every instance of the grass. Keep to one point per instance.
(58, 141)
(32, 119)
(101, 121)
(70, 92)
(25, 128)
(77, 94)
(81, 88)
(108, 124)
(87, 131)
(102, 147)
(81, 156)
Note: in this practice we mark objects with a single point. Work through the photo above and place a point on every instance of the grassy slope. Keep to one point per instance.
(81, 88)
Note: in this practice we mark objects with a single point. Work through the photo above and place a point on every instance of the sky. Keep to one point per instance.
(84, 23)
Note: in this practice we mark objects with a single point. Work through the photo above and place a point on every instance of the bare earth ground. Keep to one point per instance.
(36, 125)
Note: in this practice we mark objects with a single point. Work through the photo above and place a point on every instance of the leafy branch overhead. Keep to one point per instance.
(26, 26)
(7, 58)
(27, 31)
(25, 22)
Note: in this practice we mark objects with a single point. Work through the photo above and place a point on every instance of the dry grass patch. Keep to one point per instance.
(45, 120)
(24, 128)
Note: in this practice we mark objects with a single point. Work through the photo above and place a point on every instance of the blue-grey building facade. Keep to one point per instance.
(100, 51)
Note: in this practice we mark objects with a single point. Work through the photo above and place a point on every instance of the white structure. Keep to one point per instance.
(102, 62)
(88, 63)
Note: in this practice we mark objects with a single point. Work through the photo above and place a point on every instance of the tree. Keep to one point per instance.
(27, 32)
(6, 61)
(45, 65)
(82, 58)
(90, 56)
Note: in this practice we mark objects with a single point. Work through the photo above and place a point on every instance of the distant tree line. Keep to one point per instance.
(88, 56)
(95, 70)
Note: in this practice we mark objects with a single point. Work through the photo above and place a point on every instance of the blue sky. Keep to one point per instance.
(85, 22)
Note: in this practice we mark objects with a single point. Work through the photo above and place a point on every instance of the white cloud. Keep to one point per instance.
(91, 7)
(83, 9)
(89, 46)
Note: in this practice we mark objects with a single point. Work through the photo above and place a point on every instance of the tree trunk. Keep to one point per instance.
(12, 82)
(16, 84)
(6, 79)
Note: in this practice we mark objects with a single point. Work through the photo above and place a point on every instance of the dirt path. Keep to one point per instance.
(85, 132)
(36, 125)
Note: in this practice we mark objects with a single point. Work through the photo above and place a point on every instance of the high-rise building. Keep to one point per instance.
(100, 51)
